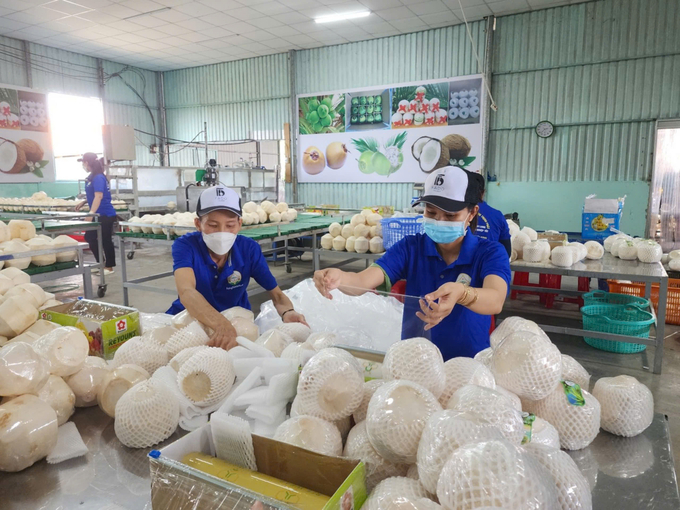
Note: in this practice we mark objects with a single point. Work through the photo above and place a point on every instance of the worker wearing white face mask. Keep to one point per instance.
(462, 279)
(214, 265)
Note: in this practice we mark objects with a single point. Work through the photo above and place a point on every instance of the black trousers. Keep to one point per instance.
(107, 241)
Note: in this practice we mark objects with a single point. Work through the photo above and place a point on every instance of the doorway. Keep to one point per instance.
(664, 202)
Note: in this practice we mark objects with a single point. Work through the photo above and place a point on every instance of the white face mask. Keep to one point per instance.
(220, 242)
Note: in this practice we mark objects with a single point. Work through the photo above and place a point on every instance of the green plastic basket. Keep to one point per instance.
(628, 320)
(609, 298)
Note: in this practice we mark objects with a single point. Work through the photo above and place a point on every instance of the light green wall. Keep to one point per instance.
(59, 189)
(558, 205)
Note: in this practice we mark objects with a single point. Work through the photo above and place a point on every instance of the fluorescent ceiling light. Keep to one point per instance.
(341, 17)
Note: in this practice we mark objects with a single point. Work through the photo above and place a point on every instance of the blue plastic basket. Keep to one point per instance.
(609, 298)
(394, 229)
(628, 320)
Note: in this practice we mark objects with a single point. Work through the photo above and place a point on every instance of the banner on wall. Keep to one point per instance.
(25, 139)
(395, 133)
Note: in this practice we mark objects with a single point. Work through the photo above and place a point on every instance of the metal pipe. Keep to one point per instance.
(488, 63)
(205, 136)
(27, 64)
(162, 148)
(293, 123)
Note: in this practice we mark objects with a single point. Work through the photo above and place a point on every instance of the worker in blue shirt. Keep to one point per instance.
(214, 265)
(462, 280)
(492, 225)
(98, 196)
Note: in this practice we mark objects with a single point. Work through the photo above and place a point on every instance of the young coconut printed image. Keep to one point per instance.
(368, 110)
(322, 114)
(383, 159)
(433, 153)
(420, 106)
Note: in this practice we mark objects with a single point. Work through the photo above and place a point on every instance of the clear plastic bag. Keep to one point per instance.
(311, 433)
(627, 405)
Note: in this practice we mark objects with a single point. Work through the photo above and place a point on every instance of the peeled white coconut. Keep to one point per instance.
(322, 340)
(573, 491)
(296, 330)
(373, 219)
(25, 337)
(484, 357)
(275, 217)
(261, 215)
(249, 207)
(649, 252)
(158, 223)
(182, 319)
(238, 311)
(544, 433)
(533, 251)
(39, 244)
(366, 212)
(609, 241)
(6, 283)
(143, 352)
(282, 207)
(577, 425)
(347, 231)
(17, 314)
(674, 264)
(594, 250)
(361, 230)
(86, 382)
(618, 244)
(245, 328)
(134, 219)
(247, 219)
(22, 229)
(28, 292)
(361, 245)
(268, 206)
(13, 248)
(462, 371)
(513, 325)
(527, 364)
(146, 415)
(28, 432)
(311, 433)
(190, 336)
(627, 250)
(445, 432)
(116, 383)
(562, 256)
(349, 244)
(675, 254)
(495, 474)
(65, 349)
(397, 493)
(5, 232)
(375, 245)
(22, 370)
(376, 230)
(62, 241)
(300, 352)
(357, 219)
(518, 241)
(159, 335)
(627, 405)
(511, 397)
(513, 227)
(370, 388)
(182, 356)
(148, 219)
(581, 250)
(292, 214)
(42, 327)
(339, 243)
(546, 249)
(327, 241)
(274, 340)
(396, 416)
(533, 235)
(331, 385)
(573, 371)
(417, 360)
(358, 447)
(51, 302)
(207, 377)
(491, 406)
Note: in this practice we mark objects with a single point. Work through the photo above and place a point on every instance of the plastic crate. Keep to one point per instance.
(394, 229)
(628, 320)
(601, 297)
(638, 289)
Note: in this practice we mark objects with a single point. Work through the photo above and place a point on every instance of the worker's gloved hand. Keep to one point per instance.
(294, 316)
(223, 336)
(327, 280)
(438, 304)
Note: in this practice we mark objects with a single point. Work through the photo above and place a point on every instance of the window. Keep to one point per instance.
(76, 124)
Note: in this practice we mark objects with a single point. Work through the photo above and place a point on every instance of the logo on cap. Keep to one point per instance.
(219, 192)
(439, 180)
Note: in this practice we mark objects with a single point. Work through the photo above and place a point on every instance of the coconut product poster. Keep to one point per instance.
(397, 133)
(25, 139)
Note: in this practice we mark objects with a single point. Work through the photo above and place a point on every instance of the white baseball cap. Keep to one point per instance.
(451, 189)
(218, 198)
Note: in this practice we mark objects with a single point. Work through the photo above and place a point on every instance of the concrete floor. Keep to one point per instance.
(665, 387)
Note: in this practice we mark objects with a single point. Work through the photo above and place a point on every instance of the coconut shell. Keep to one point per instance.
(20, 162)
(32, 150)
(444, 157)
(459, 146)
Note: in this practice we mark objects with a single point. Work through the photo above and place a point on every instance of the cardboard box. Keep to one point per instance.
(554, 240)
(106, 326)
(600, 216)
(324, 209)
(176, 486)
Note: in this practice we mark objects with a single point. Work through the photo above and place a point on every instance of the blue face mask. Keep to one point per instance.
(444, 232)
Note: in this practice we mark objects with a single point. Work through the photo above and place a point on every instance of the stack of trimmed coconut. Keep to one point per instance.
(40, 201)
(19, 236)
(362, 234)
(634, 248)
(267, 212)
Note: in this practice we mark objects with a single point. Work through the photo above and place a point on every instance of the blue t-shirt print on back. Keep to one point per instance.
(491, 224)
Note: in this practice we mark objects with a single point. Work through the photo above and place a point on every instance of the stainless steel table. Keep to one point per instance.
(609, 267)
(627, 473)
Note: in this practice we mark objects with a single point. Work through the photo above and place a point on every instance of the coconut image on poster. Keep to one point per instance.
(322, 114)
(420, 106)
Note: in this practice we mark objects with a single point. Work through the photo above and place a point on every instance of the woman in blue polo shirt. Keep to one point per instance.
(98, 196)
(462, 279)
(492, 225)
(214, 265)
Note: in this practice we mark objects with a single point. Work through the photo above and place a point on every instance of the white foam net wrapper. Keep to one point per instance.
(445, 432)
(143, 352)
(586, 463)
(116, 383)
(513, 325)
(189, 336)
(413, 472)
(146, 414)
(377, 468)
(573, 491)
(300, 352)
(623, 457)
(513, 399)
(572, 370)
(322, 340)
(484, 357)
(491, 406)
(311, 433)
(527, 364)
(577, 425)
(238, 311)
(295, 330)
(233, 440)
(544, 433)
(331, 385)
(65, 349)
(22, 370)
(399, 493)
(275, 341)
(627, 405)
(182, 356)
(417, 360)
(369, 389)
(463, 371)
(207, 376)
(495, 474)
(396, 417)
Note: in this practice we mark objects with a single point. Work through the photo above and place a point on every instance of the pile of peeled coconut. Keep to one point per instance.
(19, 236)
(362, 234)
